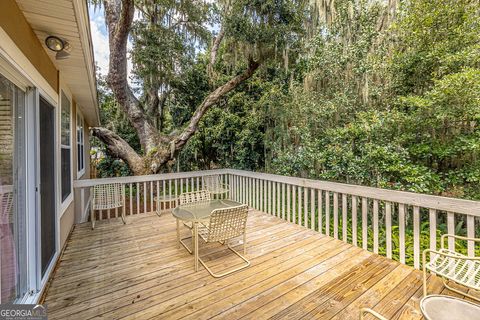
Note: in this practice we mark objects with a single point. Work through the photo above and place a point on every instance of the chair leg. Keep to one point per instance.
(463, 293)
(245, 243)
(92, 218)
(123, 216)
(218, 275)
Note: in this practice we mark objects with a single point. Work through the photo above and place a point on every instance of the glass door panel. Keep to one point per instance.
(13, 266)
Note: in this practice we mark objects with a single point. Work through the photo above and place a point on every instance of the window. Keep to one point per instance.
(80, 146)
(66, 173)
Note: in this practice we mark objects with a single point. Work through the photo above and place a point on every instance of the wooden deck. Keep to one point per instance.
(137, 271)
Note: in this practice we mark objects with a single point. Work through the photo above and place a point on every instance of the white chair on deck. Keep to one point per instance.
(107, 197)
(214, 185)
(191, 198)
(453, 266)
(224, 225)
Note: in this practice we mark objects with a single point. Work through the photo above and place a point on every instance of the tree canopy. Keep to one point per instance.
(379, 93)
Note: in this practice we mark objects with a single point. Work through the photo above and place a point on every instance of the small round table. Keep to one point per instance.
(441, 307)
(162, 202)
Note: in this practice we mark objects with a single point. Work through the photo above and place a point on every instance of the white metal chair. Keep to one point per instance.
(365, 311)
(6, 203)
(191, 198)
(453, 266)
(107, 197)
(194, 198)
(224, 225)
(214, 185)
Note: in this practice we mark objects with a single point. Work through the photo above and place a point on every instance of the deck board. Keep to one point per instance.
(137, 271)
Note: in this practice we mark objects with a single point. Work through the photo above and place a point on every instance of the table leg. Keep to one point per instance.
(195, 242)
(178, 233)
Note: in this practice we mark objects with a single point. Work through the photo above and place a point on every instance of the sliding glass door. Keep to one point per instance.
(13, 245)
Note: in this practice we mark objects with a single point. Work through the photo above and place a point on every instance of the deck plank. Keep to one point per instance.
(137, 271)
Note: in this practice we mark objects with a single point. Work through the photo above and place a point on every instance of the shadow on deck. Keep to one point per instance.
(138, 271)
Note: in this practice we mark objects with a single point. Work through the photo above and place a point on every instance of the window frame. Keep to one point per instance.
(80, 128)
(64, 203)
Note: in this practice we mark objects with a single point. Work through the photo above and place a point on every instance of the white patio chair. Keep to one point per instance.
(214, 185)
(6, 203)
(107, 197)
(453, 266)
(191, 198)
(365, 311)
(224, 225)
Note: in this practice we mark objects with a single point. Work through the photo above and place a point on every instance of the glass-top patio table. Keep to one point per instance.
(196, 213)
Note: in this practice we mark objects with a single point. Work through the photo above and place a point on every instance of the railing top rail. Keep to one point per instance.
(440, 203)
(147, 178)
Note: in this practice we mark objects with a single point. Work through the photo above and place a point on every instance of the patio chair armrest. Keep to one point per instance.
(445, 236)
(365, 311)
(426, 251)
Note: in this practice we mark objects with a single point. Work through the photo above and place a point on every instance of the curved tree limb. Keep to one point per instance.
(120, 148)
(212, 99)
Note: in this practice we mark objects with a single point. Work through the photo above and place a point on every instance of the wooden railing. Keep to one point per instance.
(382, 221)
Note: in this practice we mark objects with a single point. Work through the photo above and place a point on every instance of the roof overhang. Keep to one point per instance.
(69, 20)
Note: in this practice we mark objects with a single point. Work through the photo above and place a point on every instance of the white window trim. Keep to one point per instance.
(68, 201)
(81, 172)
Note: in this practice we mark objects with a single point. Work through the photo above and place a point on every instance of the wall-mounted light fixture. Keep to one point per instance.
(54, 43)
(58, 45)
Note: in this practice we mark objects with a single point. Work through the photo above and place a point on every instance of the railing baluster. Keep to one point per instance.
(157, 208)
(312, 209)
(138, 198)
(144, 197)
(375, 226)
(365, 223)
(176, 188)
(151, 196)
(401, 231)
(294, 200)
(344, 217)
(265, 199)
(274, 199)
(288, 203)
(283, 201)
(433, 230)
(416, 237)
(451, 230)
(278, 199)
(130, 200)
(335, 215)
(471, 234)
(299, 199)
(305, 206)
(320, 214)
(388, 228)
(327, 212)
(354, 220)
(269, 197)
(181, 186)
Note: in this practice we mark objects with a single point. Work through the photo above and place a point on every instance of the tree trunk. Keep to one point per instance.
(159, 150)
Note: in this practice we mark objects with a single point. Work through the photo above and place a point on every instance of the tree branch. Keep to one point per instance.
(216, 45)
(120, 148)
(212, 99)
